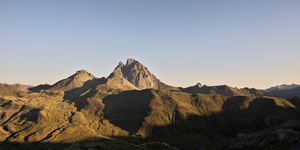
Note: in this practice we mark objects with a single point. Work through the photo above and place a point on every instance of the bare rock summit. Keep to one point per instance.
(138, 75)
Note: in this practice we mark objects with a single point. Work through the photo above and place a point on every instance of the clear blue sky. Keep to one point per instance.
(253, 43)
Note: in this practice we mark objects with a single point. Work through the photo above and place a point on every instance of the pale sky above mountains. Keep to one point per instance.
(239, 43)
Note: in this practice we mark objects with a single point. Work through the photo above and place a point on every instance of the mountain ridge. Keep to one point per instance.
(73, 81)
(223, 90)
(285, 93)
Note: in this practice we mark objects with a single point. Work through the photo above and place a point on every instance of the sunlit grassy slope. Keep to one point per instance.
(109, 109)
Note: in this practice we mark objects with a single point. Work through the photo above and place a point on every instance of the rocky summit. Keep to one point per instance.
(138, 75)
(133, 109)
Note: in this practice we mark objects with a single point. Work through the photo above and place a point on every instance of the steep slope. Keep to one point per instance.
(285, 93)
(137, 74)
(74, 81)
(223, 90)
(282, 87)
(295, 101)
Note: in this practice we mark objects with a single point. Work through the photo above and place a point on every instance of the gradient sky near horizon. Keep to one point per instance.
(239, 43)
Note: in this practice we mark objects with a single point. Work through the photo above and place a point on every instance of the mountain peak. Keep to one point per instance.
(74, 81)
(138, 75)
(199, 85)
(120, 64)
(130, 61)
(81, 72)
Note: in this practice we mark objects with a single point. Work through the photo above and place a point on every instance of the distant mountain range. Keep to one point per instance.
(133, 109)
(135, 75)
(282, 87)
(284, 91)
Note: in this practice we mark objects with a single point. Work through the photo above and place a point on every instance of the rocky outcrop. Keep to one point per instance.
(271, 121)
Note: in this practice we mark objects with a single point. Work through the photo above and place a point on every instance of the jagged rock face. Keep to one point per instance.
(139, 75)
(136, 73)
(74, 81)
